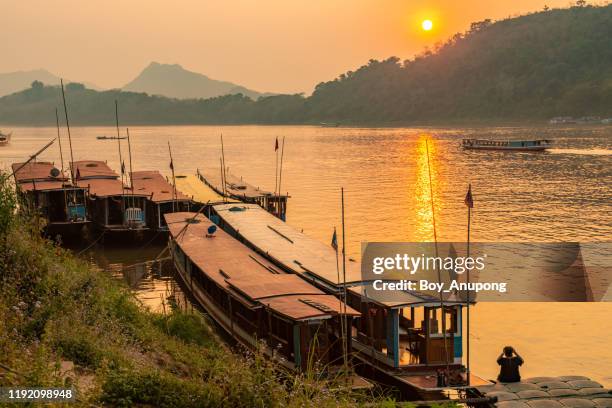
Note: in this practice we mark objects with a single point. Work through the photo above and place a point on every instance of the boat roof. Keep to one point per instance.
(46, 186)
(93, 169)
(296, 251)
(405, 298)
(197, 190)
(105, 187)
(38, 171)
(236, 186)
(240, 270)
(153, 184)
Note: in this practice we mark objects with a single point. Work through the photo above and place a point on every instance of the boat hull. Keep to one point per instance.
(513, 149)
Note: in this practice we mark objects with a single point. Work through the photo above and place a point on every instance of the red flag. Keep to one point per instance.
(276, 145)
(171, 165)
(469, 201)
(122, 167)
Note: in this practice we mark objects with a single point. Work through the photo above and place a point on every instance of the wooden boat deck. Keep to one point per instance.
(198, 191)
(549, 392)
(240, 270)
(154, 185)
(296, 251)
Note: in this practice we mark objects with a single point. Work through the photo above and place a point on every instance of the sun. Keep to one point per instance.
(427, 25)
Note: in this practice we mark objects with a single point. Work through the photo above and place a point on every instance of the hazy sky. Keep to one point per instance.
(267, 45)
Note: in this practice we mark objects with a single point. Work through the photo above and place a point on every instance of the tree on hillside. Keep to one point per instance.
(37, 85)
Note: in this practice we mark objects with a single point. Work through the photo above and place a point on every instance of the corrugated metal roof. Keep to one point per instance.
(273, 285)
(93, 169)
(39, 171)
(106, 188)
(295, 250)
(300, 307)
(197, 190)
(43, 185)
(151, 183)
(239, 269)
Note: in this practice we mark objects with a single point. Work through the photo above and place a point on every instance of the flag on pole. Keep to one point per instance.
(123, 167)
(334, 241)
(469, 201)
(171, 165)
(276, 145)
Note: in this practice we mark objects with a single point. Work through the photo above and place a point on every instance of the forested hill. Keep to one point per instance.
(551, 63)
(546, 64)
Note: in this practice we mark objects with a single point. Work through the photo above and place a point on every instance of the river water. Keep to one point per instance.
(561, 195)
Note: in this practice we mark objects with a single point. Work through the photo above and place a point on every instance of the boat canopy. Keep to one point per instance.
(93, 169)
(101, 180)
(154, 185)
(241, 271)
(198, 191)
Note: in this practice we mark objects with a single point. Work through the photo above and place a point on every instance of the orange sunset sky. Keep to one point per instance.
(266, 45)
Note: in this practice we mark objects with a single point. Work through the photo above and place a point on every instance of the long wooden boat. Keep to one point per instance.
(510, 145)
(161, 198)
(400, 343)
(238, 189)
(113, 206)
(55, 198)
(257, 303)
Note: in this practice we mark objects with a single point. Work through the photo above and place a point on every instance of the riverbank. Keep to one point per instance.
(63, 323)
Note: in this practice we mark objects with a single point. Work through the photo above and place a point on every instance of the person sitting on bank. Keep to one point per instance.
(509, 362)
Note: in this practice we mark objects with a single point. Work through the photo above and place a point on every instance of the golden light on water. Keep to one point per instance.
(427, 25)
(426, 164)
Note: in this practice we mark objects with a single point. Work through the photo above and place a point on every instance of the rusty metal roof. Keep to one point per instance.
(93, 169)
(39, 171)
(44, 185)
(239, 269)
(153, 184)
(107, 188)
(301, 307)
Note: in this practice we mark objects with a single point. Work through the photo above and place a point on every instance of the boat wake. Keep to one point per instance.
(586, 152)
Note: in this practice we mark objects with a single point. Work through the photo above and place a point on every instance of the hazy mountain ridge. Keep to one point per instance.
(173, 81)
(11, 82)
(533, 67)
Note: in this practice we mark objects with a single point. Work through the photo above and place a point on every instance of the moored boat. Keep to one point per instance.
(296, 324)
(112, 205)
(401, 343)
(510, 145)
(5, 138)
(238, 189)
(47, 190)
(161, 198)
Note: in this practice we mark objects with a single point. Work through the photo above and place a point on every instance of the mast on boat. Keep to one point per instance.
(69, 136)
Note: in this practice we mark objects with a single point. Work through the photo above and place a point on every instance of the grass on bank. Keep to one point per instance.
(66, 324)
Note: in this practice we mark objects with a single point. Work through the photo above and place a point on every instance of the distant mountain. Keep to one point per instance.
(529, 68)
(12, 82)
(174, 81)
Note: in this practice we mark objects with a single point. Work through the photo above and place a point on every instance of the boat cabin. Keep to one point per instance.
(238, 189)
(162, 198)
(113, 205)
(51, 193)
(253, 300)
